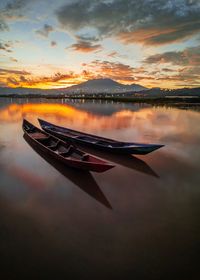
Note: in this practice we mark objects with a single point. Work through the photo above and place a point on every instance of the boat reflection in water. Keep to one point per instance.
(128, 161)
(83, 179)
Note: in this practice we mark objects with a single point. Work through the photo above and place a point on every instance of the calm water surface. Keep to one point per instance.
(139, 220)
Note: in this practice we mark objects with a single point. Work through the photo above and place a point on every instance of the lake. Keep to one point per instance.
(139, 220)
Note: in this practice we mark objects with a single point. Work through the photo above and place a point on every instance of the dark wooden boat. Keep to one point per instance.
(64, 152)
(98, 142)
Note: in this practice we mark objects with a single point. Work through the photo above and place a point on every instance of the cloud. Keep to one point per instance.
(13, 59)
(184, 66)
(15, 5)
(96, 69)
(189, 75)
(87, 37)
(167, 70)
(10, 77)
(23, 79)
(53, 43)
(3, 25)
(6, 46)
(53, 79)
(145, 21)
(43, 81)
(12, 11)
(12, 71)
(113, 54)
(45, 30)
(189, 56)
(114, 70)
(160, 35)
(157, 76)
(85, 47)
(12, 81)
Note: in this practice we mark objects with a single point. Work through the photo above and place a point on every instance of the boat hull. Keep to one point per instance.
(115, 147)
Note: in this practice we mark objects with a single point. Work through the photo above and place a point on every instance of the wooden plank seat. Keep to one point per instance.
(53, 145)
(76, 155)
(68, 152)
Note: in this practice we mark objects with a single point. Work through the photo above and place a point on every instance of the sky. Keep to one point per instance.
(56, 44)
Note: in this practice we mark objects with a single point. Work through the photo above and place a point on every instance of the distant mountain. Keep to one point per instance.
(88, 87)
(104, 86)
(27, 91)
(158, 92)
(101, 86)
(136, 87)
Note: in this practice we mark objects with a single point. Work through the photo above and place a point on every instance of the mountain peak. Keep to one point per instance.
(104, 85)
(102, 81)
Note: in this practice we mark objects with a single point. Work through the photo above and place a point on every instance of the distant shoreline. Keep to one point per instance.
(172, 101)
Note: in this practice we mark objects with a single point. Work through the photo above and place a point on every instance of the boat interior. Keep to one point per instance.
(55, 145)
(93, 140)
(105, 143)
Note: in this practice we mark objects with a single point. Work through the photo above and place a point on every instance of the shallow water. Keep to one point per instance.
(139, 220)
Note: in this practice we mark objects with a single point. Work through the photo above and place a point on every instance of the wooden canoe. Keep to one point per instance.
(94, 141)
(63, 151)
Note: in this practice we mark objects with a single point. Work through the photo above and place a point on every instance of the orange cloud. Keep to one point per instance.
(117, 71)
(148, 36)
(17, 78)
(157, 76)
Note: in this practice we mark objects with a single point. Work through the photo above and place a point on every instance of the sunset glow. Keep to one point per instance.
(60, 44)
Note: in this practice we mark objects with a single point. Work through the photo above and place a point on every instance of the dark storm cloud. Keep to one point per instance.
(45, 30)
(145, 21)
(189, 56)
(85, 46)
